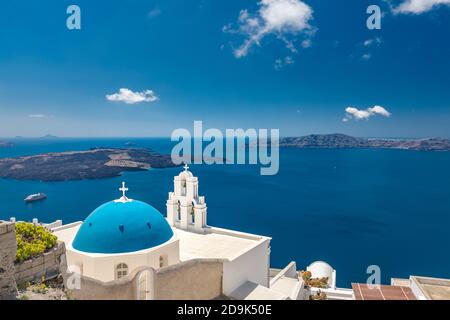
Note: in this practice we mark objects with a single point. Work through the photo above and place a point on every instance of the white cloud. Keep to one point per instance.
(281, 63)
(357, 114)
(306, 43)
(365, 47)
(418, 6)
(154, 12)
(130, 97)
(37, 116)
(278, 17)
(368, 42)
(371, 42)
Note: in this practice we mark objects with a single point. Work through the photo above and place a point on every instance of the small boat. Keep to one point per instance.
(35, 197)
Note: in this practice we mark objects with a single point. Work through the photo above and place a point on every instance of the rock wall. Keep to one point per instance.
(48, 265)
(8, 248)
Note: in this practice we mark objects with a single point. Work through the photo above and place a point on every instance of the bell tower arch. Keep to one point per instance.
(185, 208)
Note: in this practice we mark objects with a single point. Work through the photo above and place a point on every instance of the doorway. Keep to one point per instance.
(145, 285)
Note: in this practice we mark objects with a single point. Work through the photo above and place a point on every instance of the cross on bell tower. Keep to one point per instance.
(124, 190)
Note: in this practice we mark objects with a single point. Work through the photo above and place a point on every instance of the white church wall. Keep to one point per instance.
(250, 266)
(103, 266)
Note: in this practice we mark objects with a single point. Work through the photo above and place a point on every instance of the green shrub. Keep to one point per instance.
(40, 288)
(32, 240)
(23, 286)
(24, 297)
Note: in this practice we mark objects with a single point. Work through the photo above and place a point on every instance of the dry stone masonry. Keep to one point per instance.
(8, 248)
(47, 266)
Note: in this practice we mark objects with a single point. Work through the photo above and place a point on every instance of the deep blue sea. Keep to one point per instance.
(351, 208)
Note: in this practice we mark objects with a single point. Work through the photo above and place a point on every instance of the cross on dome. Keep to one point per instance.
(124, 190)
(186, 167)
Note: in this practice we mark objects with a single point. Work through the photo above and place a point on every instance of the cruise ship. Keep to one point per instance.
(35, 197)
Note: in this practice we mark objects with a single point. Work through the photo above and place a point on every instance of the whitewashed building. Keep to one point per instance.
(127, 243)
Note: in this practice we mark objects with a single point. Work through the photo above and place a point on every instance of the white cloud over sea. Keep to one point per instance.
(365, 114)
(131, 97)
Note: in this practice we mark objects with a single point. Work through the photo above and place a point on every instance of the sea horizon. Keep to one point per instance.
(168, 137)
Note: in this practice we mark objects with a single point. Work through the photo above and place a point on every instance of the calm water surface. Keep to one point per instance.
(351, 208)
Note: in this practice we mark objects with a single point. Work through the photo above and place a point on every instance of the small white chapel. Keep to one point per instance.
(127, 249)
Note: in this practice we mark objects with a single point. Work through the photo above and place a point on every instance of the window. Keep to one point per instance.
(183, 187)
(179, 211)
(163, 261)
(192, 214)
(121, 270)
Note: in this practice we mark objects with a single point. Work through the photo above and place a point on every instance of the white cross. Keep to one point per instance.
(186, 167)
(123, 189)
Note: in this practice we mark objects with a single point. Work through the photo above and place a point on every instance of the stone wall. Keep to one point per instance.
(80, 287)
(191, 280)
(48, 265)
(8, 248)
(91, 289)
(195, 279)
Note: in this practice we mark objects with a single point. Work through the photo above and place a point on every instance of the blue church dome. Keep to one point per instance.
(122, 226)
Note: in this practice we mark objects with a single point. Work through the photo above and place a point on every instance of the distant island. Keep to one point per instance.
(76, 165)
(49, 136)
(345, 141)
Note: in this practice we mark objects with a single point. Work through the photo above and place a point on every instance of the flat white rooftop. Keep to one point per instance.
(285, 285)
(67, 233)
(253, 291)
(433, 288)
(217, 244)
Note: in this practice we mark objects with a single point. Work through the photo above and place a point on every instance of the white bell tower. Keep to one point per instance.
(185, 208)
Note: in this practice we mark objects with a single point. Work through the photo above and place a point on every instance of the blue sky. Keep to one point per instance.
(301, 76)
